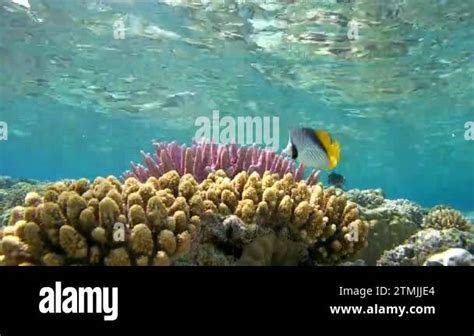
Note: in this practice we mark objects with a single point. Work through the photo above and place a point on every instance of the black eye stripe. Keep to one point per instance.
(294, 151)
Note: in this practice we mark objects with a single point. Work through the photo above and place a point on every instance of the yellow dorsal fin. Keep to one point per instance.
(332, 149)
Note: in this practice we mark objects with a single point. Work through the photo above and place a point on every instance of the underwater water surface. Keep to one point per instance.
(85, 85)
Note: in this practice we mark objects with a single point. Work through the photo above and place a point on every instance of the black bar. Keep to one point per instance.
(196, 298)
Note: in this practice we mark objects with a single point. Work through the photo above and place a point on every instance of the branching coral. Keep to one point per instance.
(247, 220)
(103, 223)
(204, 157)
(445, 218)
(285, 212)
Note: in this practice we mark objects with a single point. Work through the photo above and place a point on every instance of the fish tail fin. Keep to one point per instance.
(333, 149)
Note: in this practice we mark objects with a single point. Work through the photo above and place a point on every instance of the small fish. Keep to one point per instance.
(336, 180)
(313, 148)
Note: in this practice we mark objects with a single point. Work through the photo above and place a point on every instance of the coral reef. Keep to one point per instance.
(13, 192)
(7, 182)
(100, 223)
(391, 221)
(425, 243)
(442, 217)
(247, 219)
(174, 220)
(368, 198)
(271, 221)
(403, 233)
(205, 157)
(445, 234)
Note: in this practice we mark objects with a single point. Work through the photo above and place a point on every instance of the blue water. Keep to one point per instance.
(79, 102)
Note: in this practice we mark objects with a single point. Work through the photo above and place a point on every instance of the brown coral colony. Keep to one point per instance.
(172, 219)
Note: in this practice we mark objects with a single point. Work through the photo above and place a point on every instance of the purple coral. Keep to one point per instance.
(205, 157)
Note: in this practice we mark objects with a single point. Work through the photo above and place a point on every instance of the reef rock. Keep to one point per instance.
(426, 243)
(357, 262)
(391, 221)
(451, 257)
(368, 198)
